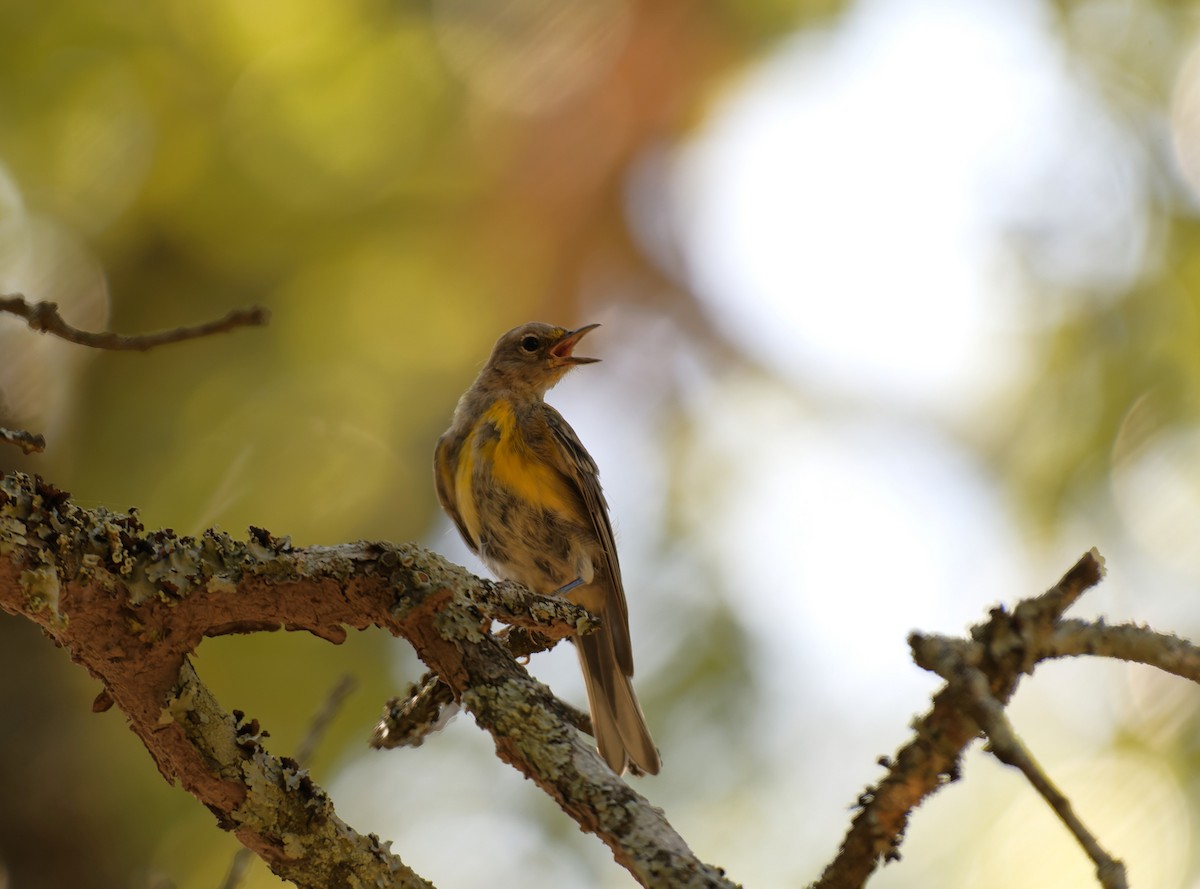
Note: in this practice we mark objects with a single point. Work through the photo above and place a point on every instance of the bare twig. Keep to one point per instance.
(949, 659)
(320, 722)
(308, 746)
(44, 318)
(28, 442)
(1007, 747)
(1052, 604)
(1126, 642)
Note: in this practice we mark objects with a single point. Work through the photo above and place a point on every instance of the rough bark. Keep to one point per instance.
(130, 605)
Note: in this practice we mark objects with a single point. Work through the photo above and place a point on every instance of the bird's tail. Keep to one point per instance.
(617, 721)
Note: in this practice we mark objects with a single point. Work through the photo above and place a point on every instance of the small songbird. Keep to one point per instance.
(525, 495)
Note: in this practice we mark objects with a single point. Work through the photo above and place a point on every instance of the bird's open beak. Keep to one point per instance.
(561, 351)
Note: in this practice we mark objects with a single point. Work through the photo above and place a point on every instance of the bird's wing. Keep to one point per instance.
(578, 467)
(444, 463)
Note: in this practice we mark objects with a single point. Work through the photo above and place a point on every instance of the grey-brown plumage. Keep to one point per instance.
(526, 497)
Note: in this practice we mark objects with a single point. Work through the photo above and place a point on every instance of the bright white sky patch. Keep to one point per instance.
(845, 213)
(845, 536)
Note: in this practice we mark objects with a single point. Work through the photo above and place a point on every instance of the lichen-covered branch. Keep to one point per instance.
(428, 703)
(130, 605)
(270, 803)
(304, 752)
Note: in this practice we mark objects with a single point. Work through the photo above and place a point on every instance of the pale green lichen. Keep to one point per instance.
(175, 565)
(42, 589)
(118, 557)
(527, 724)
(12, 534)
(294, 846)
(179, 705)
(260, 788)
(454, 624)
(220, 585)
(270, 808)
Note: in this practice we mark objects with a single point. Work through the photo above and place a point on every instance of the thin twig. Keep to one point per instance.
(28, 442)
(410, 718)
(428, 704)
(958, 662)
(1051, 605)
(44, 318)
(1126, 642)
(1007, 747)
(308, 746)
(320, 722)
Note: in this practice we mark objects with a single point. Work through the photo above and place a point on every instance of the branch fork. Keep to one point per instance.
(131, 605)
(981, 673)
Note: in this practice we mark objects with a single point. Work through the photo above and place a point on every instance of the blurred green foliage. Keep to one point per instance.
(398, 182)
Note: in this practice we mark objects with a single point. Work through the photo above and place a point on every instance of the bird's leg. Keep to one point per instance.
(566, 588)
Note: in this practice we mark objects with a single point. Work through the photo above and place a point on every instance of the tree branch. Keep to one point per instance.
(946, 658)
(428, 703)
(44, 318)
(1002, 648)
(29, 442)
(1126, 642)
(306, 750)
(131, 605)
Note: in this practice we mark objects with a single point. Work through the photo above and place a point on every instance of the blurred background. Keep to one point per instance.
(900, 304)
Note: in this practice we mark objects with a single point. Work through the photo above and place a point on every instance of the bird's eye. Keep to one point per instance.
(530, 343)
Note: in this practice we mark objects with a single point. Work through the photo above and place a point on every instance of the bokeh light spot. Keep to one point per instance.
(335, 124)
(1156, 488)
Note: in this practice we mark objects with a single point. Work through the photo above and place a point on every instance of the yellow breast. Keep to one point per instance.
(505, 461)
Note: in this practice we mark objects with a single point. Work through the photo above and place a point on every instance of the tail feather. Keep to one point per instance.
(617, 720)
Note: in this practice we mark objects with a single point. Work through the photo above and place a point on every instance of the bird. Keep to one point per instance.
(525, 495)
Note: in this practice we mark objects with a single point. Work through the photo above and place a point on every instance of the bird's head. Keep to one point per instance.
(535, 356)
